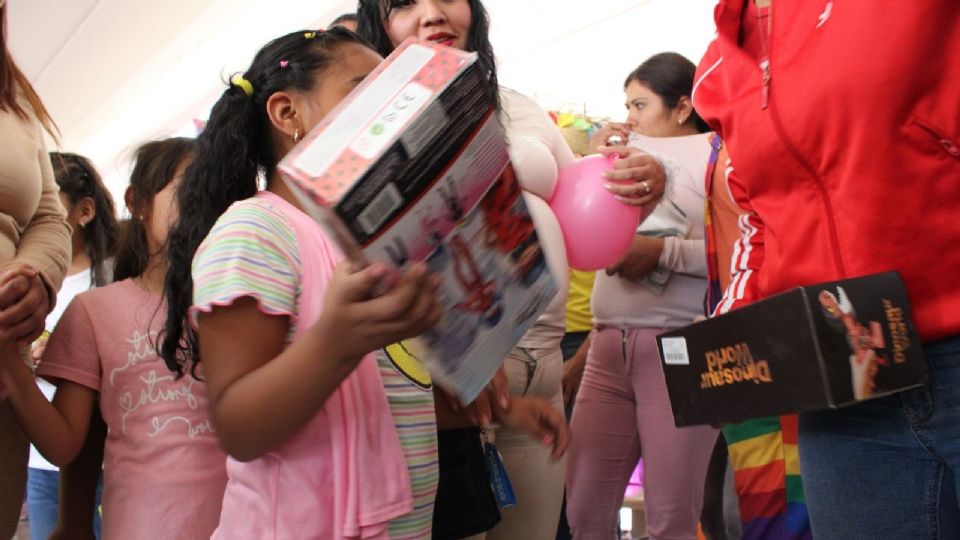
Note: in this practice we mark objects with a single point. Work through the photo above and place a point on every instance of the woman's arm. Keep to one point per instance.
(45, 243)
(685, 256)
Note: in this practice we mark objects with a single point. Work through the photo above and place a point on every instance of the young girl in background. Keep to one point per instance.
(163, 472)
(324, 442)
(90, 212)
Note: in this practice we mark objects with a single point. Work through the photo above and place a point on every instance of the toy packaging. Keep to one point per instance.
(413, 166)
(823, 346)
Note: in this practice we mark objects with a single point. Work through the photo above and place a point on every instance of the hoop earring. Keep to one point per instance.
(296, 136)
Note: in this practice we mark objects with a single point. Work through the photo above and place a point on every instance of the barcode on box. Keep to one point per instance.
(380, 209)
(675, 351)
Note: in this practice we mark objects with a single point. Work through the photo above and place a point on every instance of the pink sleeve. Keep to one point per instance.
(71, 353)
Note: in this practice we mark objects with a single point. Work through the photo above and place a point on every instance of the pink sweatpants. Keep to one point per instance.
(623, 412)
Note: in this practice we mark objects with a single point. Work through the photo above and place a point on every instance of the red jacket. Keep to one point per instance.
(854, 165)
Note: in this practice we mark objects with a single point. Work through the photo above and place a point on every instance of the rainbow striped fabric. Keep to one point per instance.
(766, 464)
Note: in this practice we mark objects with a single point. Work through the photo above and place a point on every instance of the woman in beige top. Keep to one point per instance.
(34, 252)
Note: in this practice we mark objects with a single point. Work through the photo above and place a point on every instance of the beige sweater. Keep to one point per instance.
(33, 227)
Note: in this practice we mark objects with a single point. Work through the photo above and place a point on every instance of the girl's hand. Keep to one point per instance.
(538, 418)
(645, 174)
(601, 137)
(480, 412)
(24, 304)
(640, 260)
(361, 323)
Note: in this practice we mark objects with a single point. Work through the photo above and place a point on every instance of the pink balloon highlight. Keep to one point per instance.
(597, 228)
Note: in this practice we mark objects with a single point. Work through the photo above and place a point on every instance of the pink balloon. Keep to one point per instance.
(597, 228)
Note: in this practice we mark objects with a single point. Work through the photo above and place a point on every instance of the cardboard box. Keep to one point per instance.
(413, 166)
(408, 152)
(822, 346)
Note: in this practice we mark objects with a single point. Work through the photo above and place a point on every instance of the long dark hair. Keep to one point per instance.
(156, 165)
(233, 151)
(670, 76)
(78, 179)
(372, 18)
(12, 80)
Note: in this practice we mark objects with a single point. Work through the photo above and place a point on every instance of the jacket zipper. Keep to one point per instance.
(821, 187)
(947, 143)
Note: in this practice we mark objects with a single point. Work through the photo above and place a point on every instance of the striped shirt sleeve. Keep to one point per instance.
(250, 252)
(748, 252)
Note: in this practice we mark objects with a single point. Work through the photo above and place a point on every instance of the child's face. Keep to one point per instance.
(352, 64)
(163, 212)
(443, 21)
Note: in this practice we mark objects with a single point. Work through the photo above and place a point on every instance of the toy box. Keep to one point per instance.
(413, 166)
(821, 346)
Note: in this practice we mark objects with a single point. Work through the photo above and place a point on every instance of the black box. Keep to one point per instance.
(816, 347)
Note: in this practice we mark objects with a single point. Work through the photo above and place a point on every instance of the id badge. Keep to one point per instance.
(499, 481)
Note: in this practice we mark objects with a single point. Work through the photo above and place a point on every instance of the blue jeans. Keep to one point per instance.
(43, 497)
(888, 468)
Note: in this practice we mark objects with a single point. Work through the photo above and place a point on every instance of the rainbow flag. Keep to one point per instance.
(766, 466)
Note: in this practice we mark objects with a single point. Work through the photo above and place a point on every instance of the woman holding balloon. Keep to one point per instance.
(622, 409)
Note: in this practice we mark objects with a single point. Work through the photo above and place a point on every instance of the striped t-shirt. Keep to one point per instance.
(410, 394)
(256, 254)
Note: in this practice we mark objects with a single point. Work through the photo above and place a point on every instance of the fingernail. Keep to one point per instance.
(608, 187)
(548, 440)
(504, 402)
(485, 420)
(378, 270)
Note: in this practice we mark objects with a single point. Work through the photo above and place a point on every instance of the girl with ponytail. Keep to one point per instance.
(326, 439)
(282, 327)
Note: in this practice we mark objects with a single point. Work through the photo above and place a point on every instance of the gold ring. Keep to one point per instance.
(646, 187)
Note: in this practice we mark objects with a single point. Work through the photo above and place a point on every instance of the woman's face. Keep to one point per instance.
(647, 114)
(442, 21)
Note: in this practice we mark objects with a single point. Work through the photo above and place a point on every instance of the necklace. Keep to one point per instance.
(766, 34)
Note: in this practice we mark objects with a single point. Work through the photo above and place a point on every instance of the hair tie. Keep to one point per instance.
(242, 83)
(310, 35)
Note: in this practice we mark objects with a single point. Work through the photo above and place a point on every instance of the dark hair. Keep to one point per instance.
(233, 151)
(78, 179)
(670, 76)
(346, 17)
(371, 25)
(155, 167)
(12, 80)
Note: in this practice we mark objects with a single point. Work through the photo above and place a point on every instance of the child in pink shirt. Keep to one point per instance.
(326, 439)
(164, 474)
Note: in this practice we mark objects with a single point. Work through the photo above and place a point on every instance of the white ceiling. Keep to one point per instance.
(115, 73)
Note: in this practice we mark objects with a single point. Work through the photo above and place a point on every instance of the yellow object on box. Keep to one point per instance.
(579, 316)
